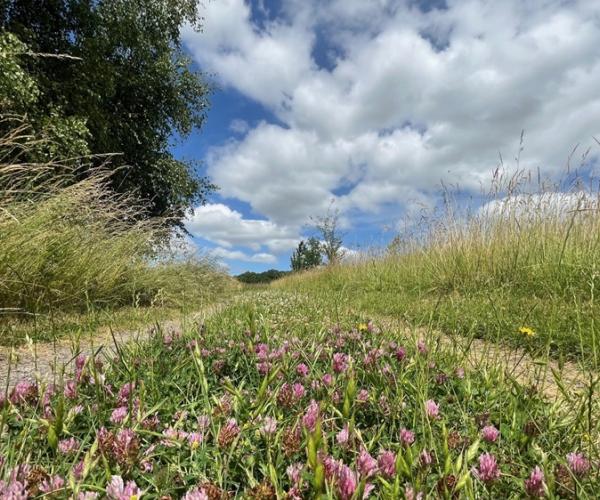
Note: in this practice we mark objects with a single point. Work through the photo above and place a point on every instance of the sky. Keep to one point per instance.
(372, 105)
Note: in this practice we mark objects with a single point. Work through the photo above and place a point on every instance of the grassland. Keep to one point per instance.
(74, 255)
(282, 395)
(487, 276)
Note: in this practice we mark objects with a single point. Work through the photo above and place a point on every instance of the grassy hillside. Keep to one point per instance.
(525, 262)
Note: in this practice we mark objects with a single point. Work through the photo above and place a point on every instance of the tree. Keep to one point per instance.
(307, 255)
(264, 277)
(328, 227)
(117, 68)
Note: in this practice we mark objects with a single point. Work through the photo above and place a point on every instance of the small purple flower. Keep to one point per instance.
(362, 396)
(311, 416)
(52, 484)
(195, 439)
(87, 495)
(78, 469)
(340, 362)
(117, 490)
(488, 470)
(125, 393)
(203, 422)
(14, 490)
(460, 372)
(421, 346)
(24, 392)
(302, 370)
(196, 494)
(263, 367)
(70, 390)
(346, 482)
(387, 463)
(68, 446)
(409, 493)
(330, 465)
(327, 379)
(366, 464)
(79, 366)
(432, 409)
(118, 415)
(298, 391)
(578, 463)
(400, 354)
(343, 436)
(294, 472)
(534, 486)
(269, 426)
(425, 458)
(490, 434)
(126, 446)
(407, 437)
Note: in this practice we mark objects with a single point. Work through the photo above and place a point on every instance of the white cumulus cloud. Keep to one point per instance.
(220, 224)
(223, 253)
(408, 98)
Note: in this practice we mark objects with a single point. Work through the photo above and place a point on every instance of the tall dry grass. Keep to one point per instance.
(69, 243)
(529, 256)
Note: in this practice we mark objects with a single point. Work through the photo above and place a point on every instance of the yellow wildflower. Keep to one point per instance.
(525, 330)
(362, 327)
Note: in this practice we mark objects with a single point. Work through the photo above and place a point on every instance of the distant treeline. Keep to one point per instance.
(264, 277)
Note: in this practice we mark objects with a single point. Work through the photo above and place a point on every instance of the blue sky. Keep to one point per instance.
(374, 104)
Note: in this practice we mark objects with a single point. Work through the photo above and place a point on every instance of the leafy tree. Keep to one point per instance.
(113, 73)
(307, 255)
(264, 277)
(58, 136)
(328, 227)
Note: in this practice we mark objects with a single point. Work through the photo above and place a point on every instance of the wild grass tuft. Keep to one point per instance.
(70, 244)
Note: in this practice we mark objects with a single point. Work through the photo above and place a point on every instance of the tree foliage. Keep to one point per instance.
(109, 76)
(307, 255)
(264, 277)
(329, 230)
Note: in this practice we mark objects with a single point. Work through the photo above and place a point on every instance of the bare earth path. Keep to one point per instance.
(547, 377)
(37, 361)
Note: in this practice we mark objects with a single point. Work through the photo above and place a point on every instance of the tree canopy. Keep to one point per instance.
(109, 76)
(251, 277)
(308, 254)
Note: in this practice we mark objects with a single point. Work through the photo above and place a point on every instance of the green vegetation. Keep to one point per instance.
(524, 263)
(252, 278)
(307, 255)
(282, 395)
(73, 246)
(107, 78)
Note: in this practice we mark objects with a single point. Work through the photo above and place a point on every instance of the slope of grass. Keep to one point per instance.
(522, 263)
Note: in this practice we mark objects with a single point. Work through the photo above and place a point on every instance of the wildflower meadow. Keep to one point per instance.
(282, 395)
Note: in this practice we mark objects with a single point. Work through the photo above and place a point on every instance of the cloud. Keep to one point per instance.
(223, 253)
(410, 96)
(226, 227)
(552, 205)
(263, 64)
(239, 126)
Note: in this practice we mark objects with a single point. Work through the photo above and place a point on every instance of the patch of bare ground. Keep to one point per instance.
(37, 361)
(556, 381)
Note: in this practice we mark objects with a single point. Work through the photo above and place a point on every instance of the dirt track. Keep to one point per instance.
(36, 362)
